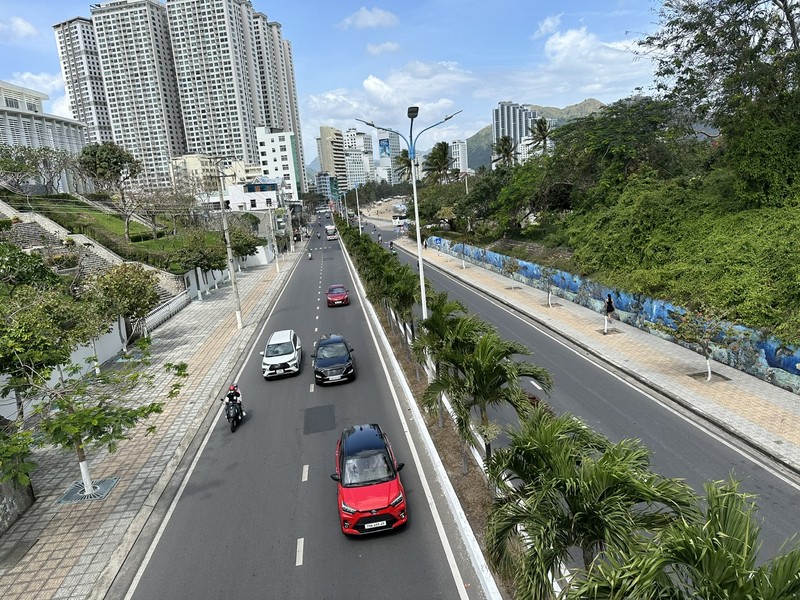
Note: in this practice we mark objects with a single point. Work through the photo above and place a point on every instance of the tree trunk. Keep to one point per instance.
(199, 289)
(708, 367)
(123, 333)
(96, 363)
(128, 227)
(588, 558)
(20, 408)
(88, 487)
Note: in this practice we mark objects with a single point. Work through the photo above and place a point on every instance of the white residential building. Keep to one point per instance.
(458, 155)
(512, 120)
(359, 158)
(136, 60)
(24, 123)
(279, 159)
(83, 77)
(388, 151)
(219, 85)
(278, 87)
(330, 150)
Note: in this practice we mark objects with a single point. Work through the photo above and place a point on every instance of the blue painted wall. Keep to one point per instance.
(741, 347)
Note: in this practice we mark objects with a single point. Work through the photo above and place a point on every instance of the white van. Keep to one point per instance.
(283, 354)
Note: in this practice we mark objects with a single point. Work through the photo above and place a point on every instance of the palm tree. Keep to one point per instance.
(438, 165)
(482, 376)
(541, 133)
(564, 486)
(712, 556)
(403, 165)
(436, 331)
(504, 151)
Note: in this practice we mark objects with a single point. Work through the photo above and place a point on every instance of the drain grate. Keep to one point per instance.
(101, 488)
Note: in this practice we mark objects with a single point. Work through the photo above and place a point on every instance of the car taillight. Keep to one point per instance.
(397, 500)
(349, 509)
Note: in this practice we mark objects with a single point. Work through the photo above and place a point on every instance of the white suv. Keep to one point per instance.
(283, 354)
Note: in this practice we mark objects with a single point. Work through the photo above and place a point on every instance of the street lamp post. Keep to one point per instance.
(411, 142)
(229, 251)
(358, 213)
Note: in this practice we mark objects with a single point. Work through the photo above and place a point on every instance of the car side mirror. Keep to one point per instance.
(400, 466)
(335, 476)
(314, 355)
(261, 353)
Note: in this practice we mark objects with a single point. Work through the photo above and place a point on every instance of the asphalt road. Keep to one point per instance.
(681, 446)
(258, 518)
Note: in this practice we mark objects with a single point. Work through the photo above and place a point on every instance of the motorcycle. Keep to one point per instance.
(318, 235)
(233, 411)
(310, 255)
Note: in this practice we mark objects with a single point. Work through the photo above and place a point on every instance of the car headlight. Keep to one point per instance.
(397, 500)
(349, 509)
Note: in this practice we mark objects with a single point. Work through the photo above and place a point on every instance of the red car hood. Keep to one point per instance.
(337, 296)
(369, 497)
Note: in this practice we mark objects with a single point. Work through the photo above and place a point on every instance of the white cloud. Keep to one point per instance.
(59, 105)
(383, 48)
(548, 26)
(366, 18)
(18, 28)
(47, 83)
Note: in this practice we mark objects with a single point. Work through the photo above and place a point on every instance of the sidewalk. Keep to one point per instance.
(759, 414)
(74, 550)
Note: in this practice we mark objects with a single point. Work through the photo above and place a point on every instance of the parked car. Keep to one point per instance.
(337, 295)
(283, 354)
(370, 494)
(333, 359)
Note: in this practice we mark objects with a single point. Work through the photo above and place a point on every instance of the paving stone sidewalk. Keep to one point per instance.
(762, 415)
(72, 551)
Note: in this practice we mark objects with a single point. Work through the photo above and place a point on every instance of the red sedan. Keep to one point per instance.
(370, 495)
(337, 295)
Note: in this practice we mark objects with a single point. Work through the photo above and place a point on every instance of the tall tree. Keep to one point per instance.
(438, 165)
(714, 555)
(96, 411)
(201, 251)
(50, 164)
(111, 167)
(402, 163)
(483, 376)
(504, 152)
(563, 486)
(127, 292)
(540, 134)
(17, 165)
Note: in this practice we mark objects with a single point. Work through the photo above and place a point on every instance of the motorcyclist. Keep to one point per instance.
(235, 396)
(310, 255)
(391, 246)
(318, 235)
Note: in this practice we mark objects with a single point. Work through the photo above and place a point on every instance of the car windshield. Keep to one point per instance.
(336, 290)
(279, 349)
(367, 468)
(338, 350)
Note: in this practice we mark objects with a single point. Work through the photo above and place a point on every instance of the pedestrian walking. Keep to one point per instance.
(609, 310)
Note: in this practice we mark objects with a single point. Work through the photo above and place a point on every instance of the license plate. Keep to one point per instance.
(375, 525)
(337, 302)
(334, 377)
(279, 371)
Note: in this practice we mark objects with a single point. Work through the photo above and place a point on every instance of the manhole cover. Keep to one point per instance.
(101, 489)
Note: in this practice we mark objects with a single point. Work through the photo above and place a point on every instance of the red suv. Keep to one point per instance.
(370, 495)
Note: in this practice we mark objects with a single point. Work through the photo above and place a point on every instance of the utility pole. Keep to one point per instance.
(229, 250)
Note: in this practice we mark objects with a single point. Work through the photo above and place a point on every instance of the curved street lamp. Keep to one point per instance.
(411, 142)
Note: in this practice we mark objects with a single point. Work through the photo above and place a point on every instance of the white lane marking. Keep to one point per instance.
(451, 560)
(149, 555)
(537, 386)
(590, 359)
(298, 557)
(311, 388)
(304, 477)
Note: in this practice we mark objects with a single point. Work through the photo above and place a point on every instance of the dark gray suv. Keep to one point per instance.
(333, 359)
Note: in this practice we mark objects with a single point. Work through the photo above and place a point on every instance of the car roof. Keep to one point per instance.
(278, 337)
(359, 438)
(330, 338)
(336, 285)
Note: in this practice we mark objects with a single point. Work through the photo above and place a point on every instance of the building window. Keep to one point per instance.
(11, 102)
(252, 202)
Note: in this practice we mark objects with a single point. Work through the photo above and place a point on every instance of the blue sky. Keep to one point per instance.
(372, 60)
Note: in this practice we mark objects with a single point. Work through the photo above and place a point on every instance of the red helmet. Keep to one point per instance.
(232, 388)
